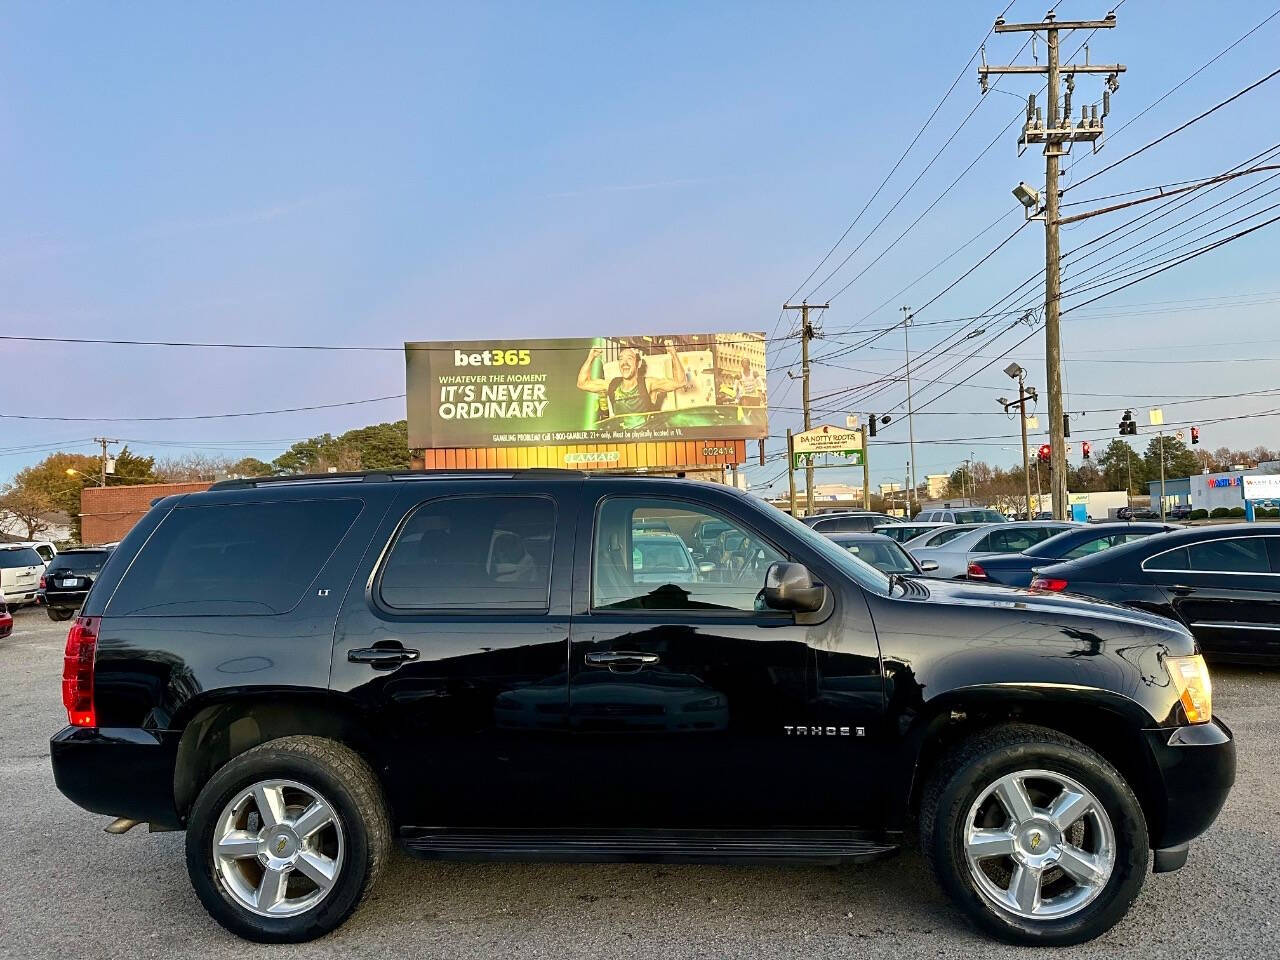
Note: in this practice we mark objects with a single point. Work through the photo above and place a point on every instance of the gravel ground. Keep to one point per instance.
(70, 890)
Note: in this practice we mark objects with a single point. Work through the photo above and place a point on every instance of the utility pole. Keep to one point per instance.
(911, 424)
(806, 334)
(791, 472)
(1024, 394)
(1057, 137)
(103, 441)
(1161, 474)
(866, 471)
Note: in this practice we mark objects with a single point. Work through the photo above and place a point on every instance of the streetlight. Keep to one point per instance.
(73, 472)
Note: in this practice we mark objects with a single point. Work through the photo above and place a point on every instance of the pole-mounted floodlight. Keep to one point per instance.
(1013, 371)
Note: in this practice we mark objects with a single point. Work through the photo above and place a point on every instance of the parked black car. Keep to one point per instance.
(1015, 569)
(297, 672)
(67, 579)
(1222, 582)
(852, 521)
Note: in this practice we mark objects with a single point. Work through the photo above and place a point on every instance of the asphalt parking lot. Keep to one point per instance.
(70, 890)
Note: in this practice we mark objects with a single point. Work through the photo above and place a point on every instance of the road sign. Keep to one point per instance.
(1033, 423)
(1178, 434)
(1156, 416)
(851, 421)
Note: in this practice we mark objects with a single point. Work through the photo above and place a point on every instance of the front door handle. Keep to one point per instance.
(382, 657)
(620, 659)
(1182, 591)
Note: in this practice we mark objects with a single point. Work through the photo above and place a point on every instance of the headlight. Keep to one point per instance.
(1195, 690)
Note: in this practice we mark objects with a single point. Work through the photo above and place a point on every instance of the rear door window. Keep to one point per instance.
(233, 558)
(1243, 555)
(488, 553)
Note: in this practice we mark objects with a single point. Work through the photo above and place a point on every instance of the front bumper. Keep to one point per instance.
(1196, 766)
(117, 771)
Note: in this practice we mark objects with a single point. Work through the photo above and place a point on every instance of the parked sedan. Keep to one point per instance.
(1223, 582)
(1012, 536)
(902, 532)
(883, 553)
(1014, 569)
(847, 522)
(68, 578)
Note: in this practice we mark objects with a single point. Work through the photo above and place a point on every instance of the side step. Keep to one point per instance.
(650, 846)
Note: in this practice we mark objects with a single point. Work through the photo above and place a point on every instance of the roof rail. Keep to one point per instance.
(384, 476)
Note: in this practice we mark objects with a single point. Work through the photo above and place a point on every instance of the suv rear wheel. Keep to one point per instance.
(285, 839)
(1037, 837)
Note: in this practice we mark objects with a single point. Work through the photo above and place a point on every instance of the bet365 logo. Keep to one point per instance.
(492, 358)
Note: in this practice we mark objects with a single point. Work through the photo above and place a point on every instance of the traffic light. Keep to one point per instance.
(1085, 450)
(1066, 424)
(871, 425)
(1195, 434)
(1128, 425)
(1045, 453)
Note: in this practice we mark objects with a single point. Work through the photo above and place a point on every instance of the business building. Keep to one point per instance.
(1207, 491)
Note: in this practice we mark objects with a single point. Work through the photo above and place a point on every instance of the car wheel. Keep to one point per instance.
(59, 615)
(285, 839)
(1035, 836)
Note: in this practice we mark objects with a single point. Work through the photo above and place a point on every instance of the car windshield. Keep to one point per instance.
(24, 557)
(979, 516)
(887, 557)
(862, 572)
(83, 560)
(660, 559)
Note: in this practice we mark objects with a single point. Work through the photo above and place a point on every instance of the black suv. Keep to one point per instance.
(67, 579)
(486, 666)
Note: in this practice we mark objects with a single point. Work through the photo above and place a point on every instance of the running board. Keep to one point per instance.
(650, 846)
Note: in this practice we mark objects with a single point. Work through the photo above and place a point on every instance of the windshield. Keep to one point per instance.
(862, 572)
(979, 516)
(86, 561)
(26, 557)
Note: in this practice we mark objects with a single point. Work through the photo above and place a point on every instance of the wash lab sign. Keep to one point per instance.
(826, 439)
(1264, 487)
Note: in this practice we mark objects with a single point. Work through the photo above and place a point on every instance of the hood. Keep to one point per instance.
(967, 593)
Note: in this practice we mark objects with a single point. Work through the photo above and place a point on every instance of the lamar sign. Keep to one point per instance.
(827, 439)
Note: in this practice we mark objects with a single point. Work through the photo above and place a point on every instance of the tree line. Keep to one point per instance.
(33, 502)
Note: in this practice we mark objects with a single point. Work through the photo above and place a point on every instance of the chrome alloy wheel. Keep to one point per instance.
(1039, 845)
(278, 847)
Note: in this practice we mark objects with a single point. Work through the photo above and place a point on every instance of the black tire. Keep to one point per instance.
(961, 775)
(57, 616)
(350, 787)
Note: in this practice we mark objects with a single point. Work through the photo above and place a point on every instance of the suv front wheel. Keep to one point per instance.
(285, 839)
(1037, 837)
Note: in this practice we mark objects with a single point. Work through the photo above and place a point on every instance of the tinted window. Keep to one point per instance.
(726, 573)
(1015, 540)
(85, 561)
(46, 553)
(233, 558)
(473, 553)
(979, 516)
(1095, 545)
(1171, 560)
(24, 557)
(1247, 555)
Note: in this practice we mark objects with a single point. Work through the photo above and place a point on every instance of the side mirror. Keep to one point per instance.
(928, 566)
(790, 586)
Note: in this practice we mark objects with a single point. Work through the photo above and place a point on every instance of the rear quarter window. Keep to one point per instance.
(233, 558)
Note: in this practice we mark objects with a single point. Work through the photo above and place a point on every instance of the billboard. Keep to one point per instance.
(586, 391)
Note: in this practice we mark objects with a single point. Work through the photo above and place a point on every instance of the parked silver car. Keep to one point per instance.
(1010, 537)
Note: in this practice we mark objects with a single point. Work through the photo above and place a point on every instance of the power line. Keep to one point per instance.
(203, 416)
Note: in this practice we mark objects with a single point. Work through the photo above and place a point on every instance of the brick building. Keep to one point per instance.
(108, 513)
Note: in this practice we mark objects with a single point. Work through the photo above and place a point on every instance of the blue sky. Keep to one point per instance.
(374, 173)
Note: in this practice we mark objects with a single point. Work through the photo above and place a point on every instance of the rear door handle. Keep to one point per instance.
(382, 657)
(615, 659)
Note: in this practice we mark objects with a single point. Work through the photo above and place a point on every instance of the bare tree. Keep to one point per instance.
(28, 508)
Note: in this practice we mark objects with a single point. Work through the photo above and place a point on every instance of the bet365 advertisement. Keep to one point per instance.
(586, 390)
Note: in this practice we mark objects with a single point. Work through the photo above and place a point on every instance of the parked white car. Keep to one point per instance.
(45, 548)
(20, 570)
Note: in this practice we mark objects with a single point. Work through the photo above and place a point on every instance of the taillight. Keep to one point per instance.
(43, 583)
(1049, 584)
(77, 672)
(976, 572)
